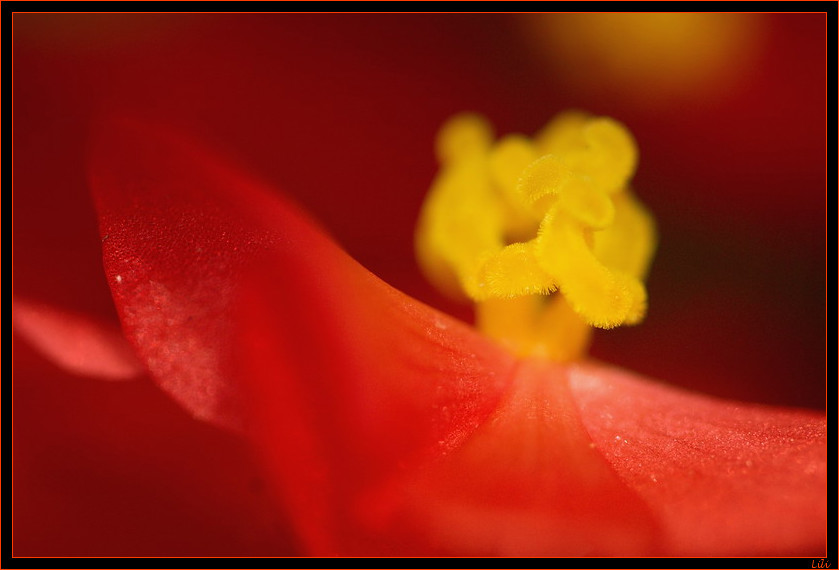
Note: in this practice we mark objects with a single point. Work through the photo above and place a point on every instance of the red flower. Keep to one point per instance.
(386, 427)
(390, 428)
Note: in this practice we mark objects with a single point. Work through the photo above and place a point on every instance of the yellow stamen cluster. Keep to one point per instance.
(543, 234)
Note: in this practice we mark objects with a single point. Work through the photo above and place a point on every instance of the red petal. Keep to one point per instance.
(177, 230)
(723, 478)
(392, 429)
(80, 344)
(364, 416)
(354, 384)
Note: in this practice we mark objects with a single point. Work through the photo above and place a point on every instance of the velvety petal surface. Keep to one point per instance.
(723, 478)
(177, 230)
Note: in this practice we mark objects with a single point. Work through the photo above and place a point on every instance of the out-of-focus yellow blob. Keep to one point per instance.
(651, 58)
(544, 234)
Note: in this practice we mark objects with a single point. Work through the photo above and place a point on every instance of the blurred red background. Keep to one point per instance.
(340, 112)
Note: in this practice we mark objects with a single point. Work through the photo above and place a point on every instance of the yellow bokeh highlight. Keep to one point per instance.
(543, 234)
(651, 59)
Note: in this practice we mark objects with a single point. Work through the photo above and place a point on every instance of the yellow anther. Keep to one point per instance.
(450, 247)
(548, 176)
(512, 272)
(464, 135)
(563, 133)
(544, 235)
(611, 158)
(507, 159)
(602, 297)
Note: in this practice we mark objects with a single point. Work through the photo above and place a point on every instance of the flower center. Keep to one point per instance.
(543, 234)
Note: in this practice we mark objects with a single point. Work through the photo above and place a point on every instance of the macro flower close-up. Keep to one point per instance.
(419, 285)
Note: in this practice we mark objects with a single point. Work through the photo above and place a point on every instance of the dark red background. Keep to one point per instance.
(340, 112)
